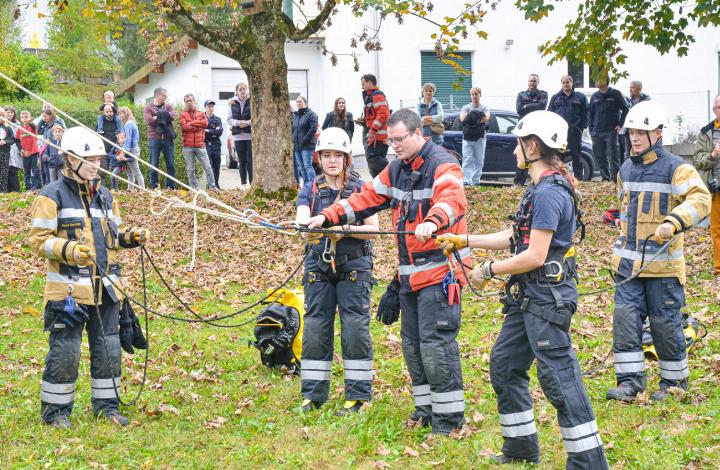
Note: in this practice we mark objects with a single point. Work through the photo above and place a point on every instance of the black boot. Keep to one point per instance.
(622, 393)
(350, 407)
(115, 417)
(504, 459)
(60, 422)
(309, 405)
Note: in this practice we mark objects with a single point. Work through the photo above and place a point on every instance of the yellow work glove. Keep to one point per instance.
(481, 276)
(313, 238)
(451, 241)
(81, 255)
(665, 231)
(140, 235)
(338, 235)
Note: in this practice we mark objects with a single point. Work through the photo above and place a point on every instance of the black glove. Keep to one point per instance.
(389, 307)
(131, 334)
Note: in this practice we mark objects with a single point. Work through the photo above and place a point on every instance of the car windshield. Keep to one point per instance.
(506, 123)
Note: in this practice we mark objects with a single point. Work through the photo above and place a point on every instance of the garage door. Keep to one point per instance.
(451, 92)
(223, 88)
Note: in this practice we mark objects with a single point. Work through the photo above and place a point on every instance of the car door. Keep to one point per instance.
(499, 158)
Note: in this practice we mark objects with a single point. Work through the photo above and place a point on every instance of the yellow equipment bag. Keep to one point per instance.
(278, 330)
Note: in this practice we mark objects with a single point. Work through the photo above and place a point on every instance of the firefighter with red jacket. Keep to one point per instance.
(376, 113)
(424, 188)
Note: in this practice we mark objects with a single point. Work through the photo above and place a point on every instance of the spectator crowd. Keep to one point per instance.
(602, 115)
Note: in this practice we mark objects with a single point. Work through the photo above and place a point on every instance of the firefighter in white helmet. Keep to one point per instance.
(338, 277)
(76, 227)
(659, 195)
(539, 303)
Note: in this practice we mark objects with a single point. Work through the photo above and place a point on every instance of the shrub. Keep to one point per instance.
(87, 112)
(24, 68)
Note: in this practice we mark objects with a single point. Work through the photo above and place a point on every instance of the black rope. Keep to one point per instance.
(198, 318)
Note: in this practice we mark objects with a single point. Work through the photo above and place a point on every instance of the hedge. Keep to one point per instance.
(87, 112)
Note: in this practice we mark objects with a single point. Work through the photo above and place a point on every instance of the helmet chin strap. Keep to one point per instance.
(526, 161)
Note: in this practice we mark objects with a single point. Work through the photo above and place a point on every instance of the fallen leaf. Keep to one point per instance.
(216, 423)
(383, 451)
(409, 451)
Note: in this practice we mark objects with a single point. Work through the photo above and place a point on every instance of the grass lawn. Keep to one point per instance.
(209, 403)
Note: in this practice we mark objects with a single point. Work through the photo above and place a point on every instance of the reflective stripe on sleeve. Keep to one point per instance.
(443, 178)
(448, 210)
(50, 224)
(49, 245)
(349, 212)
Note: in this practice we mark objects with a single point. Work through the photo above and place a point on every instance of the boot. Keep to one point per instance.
(503, 459)
(350, 407)
(60, 422)
(416, 418)
(115, 417)
(309, 405)
(622, 393)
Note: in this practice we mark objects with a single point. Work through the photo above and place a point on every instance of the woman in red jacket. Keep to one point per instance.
(27, 143)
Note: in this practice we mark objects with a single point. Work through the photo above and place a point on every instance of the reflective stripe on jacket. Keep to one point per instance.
(428, 188)
(63, 215)
(655, 187)
(377, 113)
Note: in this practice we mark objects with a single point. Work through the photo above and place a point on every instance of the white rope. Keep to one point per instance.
(113, 144)
(248, 217)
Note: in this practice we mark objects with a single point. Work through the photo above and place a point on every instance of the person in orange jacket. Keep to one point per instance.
(193, 123)
(424, 188)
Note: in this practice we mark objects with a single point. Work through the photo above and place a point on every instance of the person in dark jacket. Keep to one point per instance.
(239, 121)
(474, 117)
(636, 96)
(16, 164)
(109, 124)
(572, 106)
(340, 117)
(159, 117)
(7, 142)
(46, 123)
(52, 158)
(213, 132)
(532, 99)
(304, 128)
(605, 118)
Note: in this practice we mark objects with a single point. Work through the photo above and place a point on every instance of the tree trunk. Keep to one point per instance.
(270, 107)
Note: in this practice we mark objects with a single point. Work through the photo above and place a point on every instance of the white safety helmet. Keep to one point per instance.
(334, 138)
(645, 116)
(549, 127)
(82, 142)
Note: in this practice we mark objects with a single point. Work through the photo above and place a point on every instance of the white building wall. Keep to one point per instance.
(681, 84)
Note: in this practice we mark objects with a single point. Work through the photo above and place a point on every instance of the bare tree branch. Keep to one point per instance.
(316, 23)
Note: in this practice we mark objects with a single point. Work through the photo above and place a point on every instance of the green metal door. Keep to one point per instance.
(453, 90)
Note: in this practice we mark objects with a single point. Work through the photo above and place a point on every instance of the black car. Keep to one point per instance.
(499, 159)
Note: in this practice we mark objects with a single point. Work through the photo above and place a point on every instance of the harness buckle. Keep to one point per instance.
(352, 276)
(311, 277)
(551, 274)
(328, 254)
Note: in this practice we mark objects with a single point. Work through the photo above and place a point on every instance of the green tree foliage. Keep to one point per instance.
(132, 48)
(595, 34)
(77, 49)
(21, 66)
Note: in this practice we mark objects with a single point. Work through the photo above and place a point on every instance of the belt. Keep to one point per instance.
(352, 276)
(551, 273)
(341, 259)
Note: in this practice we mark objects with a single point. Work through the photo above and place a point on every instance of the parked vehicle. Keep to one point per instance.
(499, 159)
